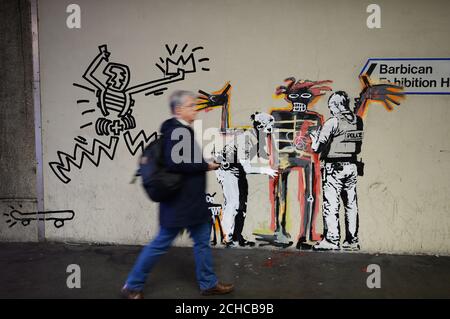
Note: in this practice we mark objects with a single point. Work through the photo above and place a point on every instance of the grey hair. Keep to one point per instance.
(178, 97)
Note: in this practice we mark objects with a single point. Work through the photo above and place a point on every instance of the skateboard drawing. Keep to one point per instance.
(59, 217)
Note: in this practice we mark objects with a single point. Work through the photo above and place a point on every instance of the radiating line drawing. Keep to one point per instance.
(81, 140)
(58, 217)
(86, 125)
(87, 111)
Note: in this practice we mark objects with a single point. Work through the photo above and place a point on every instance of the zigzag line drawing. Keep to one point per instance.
(63, 166)
(139, 141)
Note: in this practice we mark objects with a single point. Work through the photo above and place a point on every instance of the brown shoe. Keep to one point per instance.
(219, 289)
(131, 294)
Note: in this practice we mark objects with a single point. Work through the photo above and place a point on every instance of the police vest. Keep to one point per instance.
(346, 142)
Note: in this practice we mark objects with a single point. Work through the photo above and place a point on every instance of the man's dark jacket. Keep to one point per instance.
(188, 207)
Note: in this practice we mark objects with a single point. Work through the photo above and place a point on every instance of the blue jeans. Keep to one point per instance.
(200, 233)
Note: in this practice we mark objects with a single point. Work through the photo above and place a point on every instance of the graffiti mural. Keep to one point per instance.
(58, 217)
(388, 95)
(109, 82)
(339, 142)
(296, 138)
(236, 162)
(324, 154)
(290, 150)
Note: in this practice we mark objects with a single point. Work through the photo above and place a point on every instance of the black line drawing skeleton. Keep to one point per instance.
(59, 217)
(114, 100)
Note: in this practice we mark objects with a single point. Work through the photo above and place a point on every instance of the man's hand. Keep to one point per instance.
(213, 166)
(314, 136)
(269, 171)
(104, 52)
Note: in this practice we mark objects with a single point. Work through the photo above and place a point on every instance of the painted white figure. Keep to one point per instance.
(237, 160)
(339, 141)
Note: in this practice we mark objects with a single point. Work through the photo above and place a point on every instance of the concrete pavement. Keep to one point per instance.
(38, 270)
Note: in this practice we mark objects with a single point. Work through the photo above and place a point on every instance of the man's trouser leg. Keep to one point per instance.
(350, 200)
(283, 184)
(228, 221)
(241, 212)
(331, 201)
(149, 256)
(231, 194)
(308, 198)
(239, 221)
(201, 234)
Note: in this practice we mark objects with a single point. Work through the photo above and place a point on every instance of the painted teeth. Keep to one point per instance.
(299, 106)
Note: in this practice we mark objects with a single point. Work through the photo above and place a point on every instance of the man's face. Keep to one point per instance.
(187, 111)
(263, 122)
(118, 76)
(335, 104)
(299, 100)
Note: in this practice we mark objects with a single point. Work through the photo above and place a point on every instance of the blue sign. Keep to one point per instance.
(415, 75)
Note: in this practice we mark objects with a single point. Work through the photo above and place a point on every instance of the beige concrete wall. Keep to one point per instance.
(17, 152)
(404, 195)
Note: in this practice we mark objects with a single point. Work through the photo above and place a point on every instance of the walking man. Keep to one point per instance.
(187, 209)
